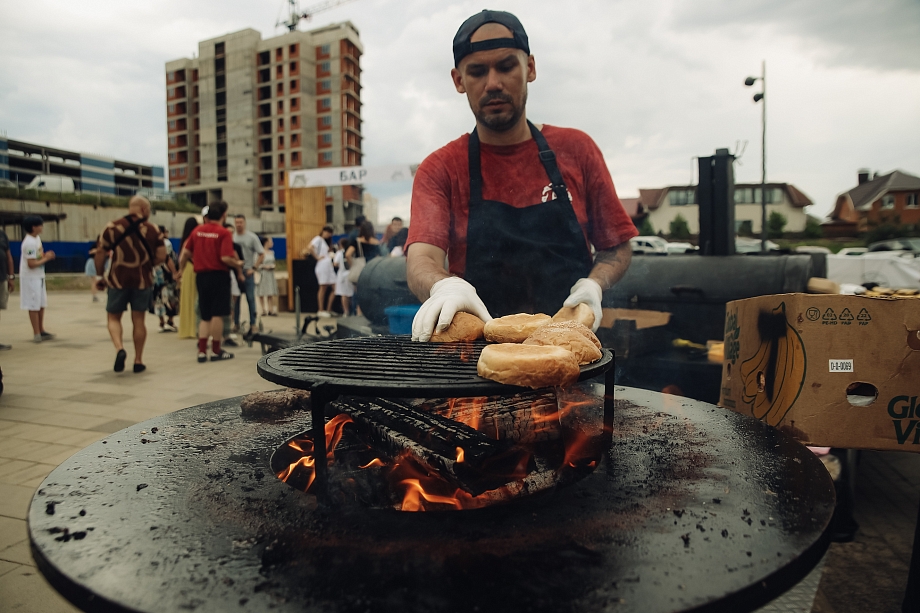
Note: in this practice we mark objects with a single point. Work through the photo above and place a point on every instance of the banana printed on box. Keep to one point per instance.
(774, 376)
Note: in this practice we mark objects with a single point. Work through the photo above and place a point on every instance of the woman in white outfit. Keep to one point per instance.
(267, 289)
(344, 288)
(325, 273)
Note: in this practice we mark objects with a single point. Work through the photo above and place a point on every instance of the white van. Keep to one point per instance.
(52, 183)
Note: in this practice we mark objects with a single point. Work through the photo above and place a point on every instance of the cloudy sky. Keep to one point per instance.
(654, 82)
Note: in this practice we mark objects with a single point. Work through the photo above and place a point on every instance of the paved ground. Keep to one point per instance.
(62, 395)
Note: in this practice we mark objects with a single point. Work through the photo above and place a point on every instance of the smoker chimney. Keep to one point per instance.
(716, 198)
(864, 175)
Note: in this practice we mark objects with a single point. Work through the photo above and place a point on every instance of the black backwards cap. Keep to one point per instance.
(463, 47)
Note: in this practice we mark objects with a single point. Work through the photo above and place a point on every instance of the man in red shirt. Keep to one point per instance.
(210, 248)
(515, 208)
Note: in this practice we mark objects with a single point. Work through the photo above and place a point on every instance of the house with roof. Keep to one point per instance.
(663, 205)
(892, 198)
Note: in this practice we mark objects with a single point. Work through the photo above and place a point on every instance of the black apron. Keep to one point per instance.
(523, 260)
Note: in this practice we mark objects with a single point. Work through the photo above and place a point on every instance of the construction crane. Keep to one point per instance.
(295, 14)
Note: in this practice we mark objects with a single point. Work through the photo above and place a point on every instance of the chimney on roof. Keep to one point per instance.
(864, 175)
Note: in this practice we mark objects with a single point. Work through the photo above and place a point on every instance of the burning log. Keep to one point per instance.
(522, 418)
(459, 453)
(275, 403)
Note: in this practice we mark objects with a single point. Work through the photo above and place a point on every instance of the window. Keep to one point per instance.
(280, 89)
(280, 160)
(220, 98)
(326, 121)
(172, 125)
(292, 50)
(172, 141)
(279, 71)
(295, 104)
(295, 157)
(281, 106)
(295, 85)
(220, 82)
(295, 122)
(172, 157)
(912, 201)
(281, 142)
(326, 139)
(264, 58)
(326, 156)
(887, 202)
(281, 123)
(325, 103)
(196, 124)
(279, 54)
(295, 140)
(172, 172)
(170, 76)
(325, 67)
(218, 48)
(170, 92)
(172, 108)
(324, 49)
(682, 197)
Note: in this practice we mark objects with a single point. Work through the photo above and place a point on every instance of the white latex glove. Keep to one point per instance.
(590, 292)
(447, 296)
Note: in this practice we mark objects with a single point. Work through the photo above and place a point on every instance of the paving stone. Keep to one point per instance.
(14, 500)
(6, 567)
(12, 531)
(99, 398)
(19, 553)
(24, 590)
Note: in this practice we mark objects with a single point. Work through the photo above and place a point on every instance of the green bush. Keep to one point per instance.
(775, 224)
(679, 229)
(645, 228)
(813, 228)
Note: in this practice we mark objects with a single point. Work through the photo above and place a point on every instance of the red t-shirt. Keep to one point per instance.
(207, 243)
(514, 175)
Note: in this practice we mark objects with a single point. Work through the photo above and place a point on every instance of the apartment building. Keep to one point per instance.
(20, 162)
(246, 110)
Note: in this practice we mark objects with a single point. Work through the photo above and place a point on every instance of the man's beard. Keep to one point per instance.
(500, 122)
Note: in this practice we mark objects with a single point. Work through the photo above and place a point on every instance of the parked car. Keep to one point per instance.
(897, 244)
(678, 248)
(812, 249)
(744, 244)
(654, 245)
(6, 183)
(52, 183)
(856, 251)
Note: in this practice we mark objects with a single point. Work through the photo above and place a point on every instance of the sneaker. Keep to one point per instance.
(95, 298)
(223, 355)
(139, 368)
(202, 357)
(47, 336)
(5, 347)
(170, 328)
(229, 342)
(37, 338)
(323, 314)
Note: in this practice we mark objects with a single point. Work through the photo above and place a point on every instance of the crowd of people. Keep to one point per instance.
(135, 264)
(339, 264)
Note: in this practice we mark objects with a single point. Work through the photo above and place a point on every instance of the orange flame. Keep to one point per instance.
(415, 493)
(333, 432)
(377, 462)
(459, 455)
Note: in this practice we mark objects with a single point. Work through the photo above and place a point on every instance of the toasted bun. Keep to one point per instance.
(585, 351)
(577, 327)
(532, 366)
(464, 327)
(514, 328)
(581, 313)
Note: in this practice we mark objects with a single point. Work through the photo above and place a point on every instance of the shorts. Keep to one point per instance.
(32, 294)
(4, 294)
(119, 299)
(213, 294)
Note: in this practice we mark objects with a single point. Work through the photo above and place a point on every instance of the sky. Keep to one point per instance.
(655, 83)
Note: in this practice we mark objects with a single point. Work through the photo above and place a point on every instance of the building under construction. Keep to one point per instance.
(246, 110)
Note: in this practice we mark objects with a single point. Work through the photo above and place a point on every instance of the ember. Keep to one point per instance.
(458, 453)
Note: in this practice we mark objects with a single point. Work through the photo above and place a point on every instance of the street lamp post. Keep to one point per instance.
(762, 98)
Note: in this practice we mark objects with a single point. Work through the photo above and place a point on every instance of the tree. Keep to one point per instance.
(775, 224)
(645, 228)
(813, 228)
(679, 228)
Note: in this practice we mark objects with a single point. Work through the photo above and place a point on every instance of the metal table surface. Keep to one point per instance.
(695, 509)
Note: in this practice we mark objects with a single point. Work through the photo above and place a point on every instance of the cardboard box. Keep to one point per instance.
(838, 371)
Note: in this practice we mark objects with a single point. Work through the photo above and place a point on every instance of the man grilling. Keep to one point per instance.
(515, 207)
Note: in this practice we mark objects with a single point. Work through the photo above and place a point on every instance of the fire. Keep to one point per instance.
(415, 493)
(333, 431)
(376, 462)
(466, 410)
(459, 455)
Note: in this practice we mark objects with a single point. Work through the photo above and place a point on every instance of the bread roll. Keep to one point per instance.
(585, 351)
(464, 327)
(532, 366)
(582, 313)
(577, 327)
(514, 328)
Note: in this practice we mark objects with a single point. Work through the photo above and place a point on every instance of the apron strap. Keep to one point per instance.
(475, 169)
(548, 159)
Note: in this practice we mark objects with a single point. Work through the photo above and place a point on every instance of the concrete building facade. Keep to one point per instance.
(247, 110)
(20, 162)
